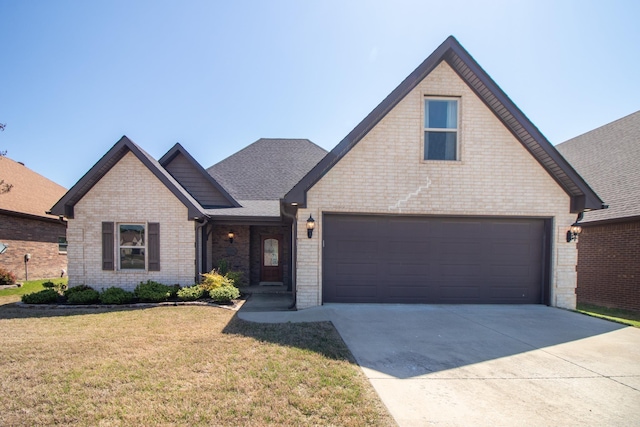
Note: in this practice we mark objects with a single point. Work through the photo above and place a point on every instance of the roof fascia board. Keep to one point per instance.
(32, 217)
(65, 205)
(179, 149)
(590, 200)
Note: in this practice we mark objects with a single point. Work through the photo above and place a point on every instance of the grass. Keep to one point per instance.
(29, 287)
(627, 317)
(188, 365)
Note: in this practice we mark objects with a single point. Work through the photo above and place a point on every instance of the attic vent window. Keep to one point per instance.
(440, 129)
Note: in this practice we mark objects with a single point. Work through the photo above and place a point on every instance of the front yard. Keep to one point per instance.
(188, 365)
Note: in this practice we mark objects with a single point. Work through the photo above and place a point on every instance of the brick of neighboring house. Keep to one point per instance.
(609, 266)
(38, 237)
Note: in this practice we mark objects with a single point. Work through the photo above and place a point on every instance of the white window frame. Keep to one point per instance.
(455, 130)
(120, 246)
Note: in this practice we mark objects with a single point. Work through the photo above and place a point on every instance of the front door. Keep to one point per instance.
(271, 270)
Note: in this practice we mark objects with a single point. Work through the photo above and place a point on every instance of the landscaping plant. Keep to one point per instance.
(116, 296)
(224, 294)
(213, 280)
(190, 293)
(46, 296)
(7, 277)
(151, 291)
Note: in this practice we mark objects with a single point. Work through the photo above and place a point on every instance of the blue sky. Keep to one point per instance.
(216, 76)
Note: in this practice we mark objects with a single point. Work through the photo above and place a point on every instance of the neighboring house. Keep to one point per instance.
(609, 245)
(26, 228)
(444, 193)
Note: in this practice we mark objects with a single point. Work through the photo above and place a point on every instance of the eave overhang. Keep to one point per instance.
(582, 196)
(65, 206)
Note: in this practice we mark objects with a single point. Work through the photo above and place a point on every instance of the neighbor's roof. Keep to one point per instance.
(31, 194)
(65, 205)
(582, 197)
(266, 169)
(608, 158)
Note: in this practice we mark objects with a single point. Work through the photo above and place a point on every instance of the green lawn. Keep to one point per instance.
(626, 317)
(185, 365)
(29, 287)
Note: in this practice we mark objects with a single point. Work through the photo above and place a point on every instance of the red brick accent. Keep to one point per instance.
(609, 265)
(36, 237)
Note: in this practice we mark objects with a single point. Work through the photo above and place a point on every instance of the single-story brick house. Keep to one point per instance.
(609, 245)
(26, 228)
(444, 193)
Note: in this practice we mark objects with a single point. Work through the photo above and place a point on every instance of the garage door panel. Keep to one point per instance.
(407, 259)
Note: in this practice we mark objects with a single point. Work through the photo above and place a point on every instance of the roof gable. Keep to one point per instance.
(31, 194)
(188, 172)
(65, 205)
(582, 196)
(266, 169)
(609, 160)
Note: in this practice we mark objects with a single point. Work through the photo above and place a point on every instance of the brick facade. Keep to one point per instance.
(236, 254)
(38, 237)
(130, 193)
(384, 173)
(609, 266)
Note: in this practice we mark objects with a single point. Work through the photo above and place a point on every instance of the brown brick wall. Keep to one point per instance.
(237, 253)
(35, 237)
(609, 265)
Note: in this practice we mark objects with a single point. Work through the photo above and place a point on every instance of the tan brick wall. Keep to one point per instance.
(384, 173)
(130, 193)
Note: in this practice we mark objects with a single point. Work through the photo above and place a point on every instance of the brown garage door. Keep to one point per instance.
(404, 259)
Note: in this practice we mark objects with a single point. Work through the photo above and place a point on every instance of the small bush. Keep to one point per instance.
(223, 267)
(46, 296)
(75, 289)
(224, 294)
(236, 277)
(190, 293)
(173, 291)
(214, 280)
(58, 287)
(116, 296)
(7, 277)
(151, 291)
(87, 296)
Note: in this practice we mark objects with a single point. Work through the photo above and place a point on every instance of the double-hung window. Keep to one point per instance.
(132, 246)
(440, 129)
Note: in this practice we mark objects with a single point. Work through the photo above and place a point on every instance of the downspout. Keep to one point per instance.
(294, 252)
(198, 260)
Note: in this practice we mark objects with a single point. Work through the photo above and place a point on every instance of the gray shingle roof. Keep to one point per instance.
(608, 158)
(266, 169)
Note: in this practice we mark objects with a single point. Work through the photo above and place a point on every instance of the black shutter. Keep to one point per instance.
(154, 246)
(107, 246)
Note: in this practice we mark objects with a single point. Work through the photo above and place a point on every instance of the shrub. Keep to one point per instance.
(223, 267)
(87, 296)
(58, 287)
(191, 293)
(75, 289)
(7, 277)
(236, 277)
(151, 291)
(46, 296)
(214, 280)
(224, 294)
(116, 296)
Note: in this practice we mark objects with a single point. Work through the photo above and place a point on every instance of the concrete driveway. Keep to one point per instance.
(458, 365)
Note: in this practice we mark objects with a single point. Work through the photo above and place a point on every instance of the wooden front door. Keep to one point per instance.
(271, 270)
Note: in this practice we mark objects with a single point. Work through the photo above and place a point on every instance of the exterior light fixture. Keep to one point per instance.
(572, 233)
(311, 224)
(230, 236)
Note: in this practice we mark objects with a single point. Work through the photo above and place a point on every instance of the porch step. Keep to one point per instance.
(262, 289)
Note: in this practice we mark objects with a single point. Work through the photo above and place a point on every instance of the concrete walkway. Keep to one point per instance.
(461, 365)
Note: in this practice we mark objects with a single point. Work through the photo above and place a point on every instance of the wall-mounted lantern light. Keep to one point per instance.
(572, 233)
(311, 224)
(230, 236)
